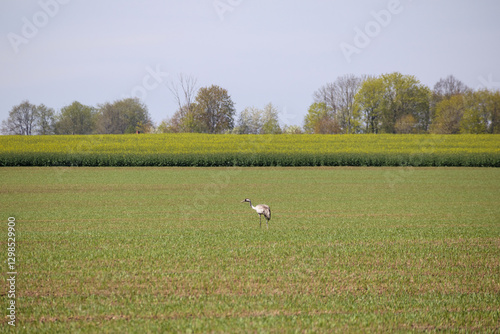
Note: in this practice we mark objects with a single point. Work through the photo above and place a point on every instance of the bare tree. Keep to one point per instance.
(339, 99)
(22, 120)
(327, 95)
(249, 121)
(445, 89)
(449, 86)
(253, 120)
(183, 120)
(348, 114)
(184, 90)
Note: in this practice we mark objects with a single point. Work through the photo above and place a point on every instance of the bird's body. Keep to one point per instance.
(262, 209)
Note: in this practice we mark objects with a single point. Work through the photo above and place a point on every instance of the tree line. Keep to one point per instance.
(123, 116)
(389, 103)
(396, 103)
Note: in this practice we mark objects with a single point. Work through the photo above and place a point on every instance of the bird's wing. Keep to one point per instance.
(260, 208)
(268, 213)
(265, 209)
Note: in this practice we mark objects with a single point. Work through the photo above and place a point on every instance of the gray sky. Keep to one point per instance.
(59, 51)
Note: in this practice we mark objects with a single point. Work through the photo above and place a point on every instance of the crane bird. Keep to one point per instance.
(262, 209)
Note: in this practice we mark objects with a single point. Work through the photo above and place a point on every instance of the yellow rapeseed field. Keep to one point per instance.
(165, 149)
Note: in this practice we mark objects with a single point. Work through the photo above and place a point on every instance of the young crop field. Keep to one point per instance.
(190, 149)
(348, 249)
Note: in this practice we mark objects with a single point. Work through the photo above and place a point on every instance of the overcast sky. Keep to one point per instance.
(280, 51)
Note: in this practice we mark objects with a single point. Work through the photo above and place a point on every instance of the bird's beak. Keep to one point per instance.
(242, 201)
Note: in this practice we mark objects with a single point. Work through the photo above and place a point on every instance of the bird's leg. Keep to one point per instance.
(267, 224)
(260, 220)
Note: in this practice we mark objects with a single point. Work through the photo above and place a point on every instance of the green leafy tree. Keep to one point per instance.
(110, 120)
(406, 124)
(214, 110)
(317, 111)
(403, 95)
(474, 112)
(165, 127)
(270, 120)
(449, 113)
(494, 112)
(481, 114)
(369, 101)
(45, 120)
(386, 101)
(473, 121)
(320, 120)
(123, 116)
(75, 119)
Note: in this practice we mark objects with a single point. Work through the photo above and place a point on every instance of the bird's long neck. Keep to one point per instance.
(253, 207)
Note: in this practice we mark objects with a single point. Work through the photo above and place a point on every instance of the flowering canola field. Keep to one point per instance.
(190, 149)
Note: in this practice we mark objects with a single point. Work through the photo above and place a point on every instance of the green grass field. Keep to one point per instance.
(153, 250)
